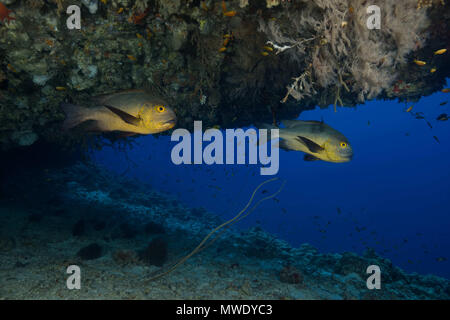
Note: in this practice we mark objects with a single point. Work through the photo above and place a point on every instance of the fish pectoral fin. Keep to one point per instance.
(128, 118)
(311, 145)
(309, 157)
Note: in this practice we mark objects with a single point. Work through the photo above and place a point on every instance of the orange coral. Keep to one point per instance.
(137, 18)
(4, 13)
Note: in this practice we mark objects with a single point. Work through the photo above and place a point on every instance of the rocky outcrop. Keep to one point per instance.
(229, 63)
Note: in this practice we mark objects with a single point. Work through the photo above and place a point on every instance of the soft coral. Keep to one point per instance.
(4, 13)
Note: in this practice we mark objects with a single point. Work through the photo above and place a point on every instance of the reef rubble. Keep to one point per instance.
(120, 233)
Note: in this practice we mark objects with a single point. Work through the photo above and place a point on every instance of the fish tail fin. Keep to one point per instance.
(74, 115)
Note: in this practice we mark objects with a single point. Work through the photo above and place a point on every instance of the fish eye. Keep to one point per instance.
(160, 108)
(344, 145)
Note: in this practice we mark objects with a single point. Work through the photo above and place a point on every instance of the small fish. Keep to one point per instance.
(442, 117)
(318, 140)
(436, 138)
(11, 68)
(230, 13)
(339, 211)
(433, 70)
(223, 49)
(265, 54)
(441, 259)
(268, 48)
(419, 117)
(368, 123)
(138, 35)
(429, 124)
(409, 109)
(419, 62)
(129, 113)
(49, 42)
(446, 90)
(443, 103)
(441, 51)
(226, 41)
(120, 10)
(228, 36)
(60, 88)
(132, 58)
(224, 6)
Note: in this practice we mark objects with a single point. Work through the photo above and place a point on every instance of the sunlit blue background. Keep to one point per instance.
(394, 196)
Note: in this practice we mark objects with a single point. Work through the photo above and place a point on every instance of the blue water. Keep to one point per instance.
(393, 197)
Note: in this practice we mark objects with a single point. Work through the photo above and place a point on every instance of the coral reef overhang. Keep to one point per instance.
(230, 63)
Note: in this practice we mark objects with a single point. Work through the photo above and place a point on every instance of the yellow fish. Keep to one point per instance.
(60, 88)
(433, 70)
(318, 140)
(129, 113)
(265, 54)
(446, 90)
(223, 49)
(11, 68)
(442, 51)
(420, 63)
(268, 48)
(229, 13)
(409, 109)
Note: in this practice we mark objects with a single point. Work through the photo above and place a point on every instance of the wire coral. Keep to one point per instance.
(338, 48)
(204, 243)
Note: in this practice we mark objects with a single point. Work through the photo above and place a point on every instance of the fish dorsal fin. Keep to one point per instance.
(308, 157)
(297, 123)
(315, 121)
(128, 118)
(103, 98)
(291, 123)
(311, 145)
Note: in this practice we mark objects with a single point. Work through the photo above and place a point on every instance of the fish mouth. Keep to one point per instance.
(169, 123)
